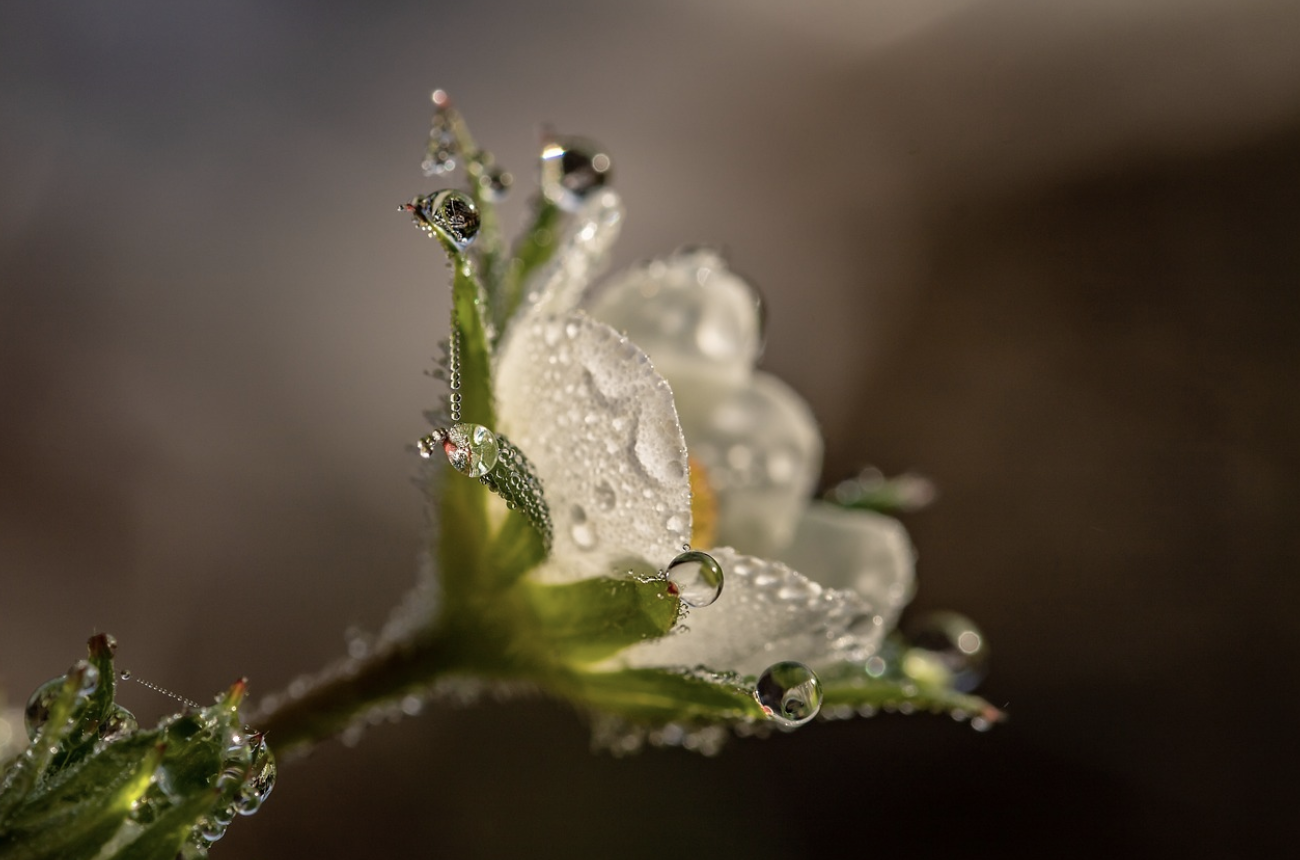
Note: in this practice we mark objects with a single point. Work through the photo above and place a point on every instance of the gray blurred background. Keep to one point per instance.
(1042, 252)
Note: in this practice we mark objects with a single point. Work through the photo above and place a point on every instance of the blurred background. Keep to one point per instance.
(1045, 253)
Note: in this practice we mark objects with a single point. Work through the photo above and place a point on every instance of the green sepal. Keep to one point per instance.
(659, 696)
(592, 619)
(534, 249)
(854, 687)
(467, 319)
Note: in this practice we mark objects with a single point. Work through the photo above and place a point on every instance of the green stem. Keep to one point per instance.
(388, 675)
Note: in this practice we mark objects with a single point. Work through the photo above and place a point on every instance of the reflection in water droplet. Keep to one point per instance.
(582, 531)
(472, 449)
(698, 578)
(38, 706)
(118, 724)
(452, 212)
(789, 692)
(572, 168)
(261, 779)
(125, 674)
(947, 643)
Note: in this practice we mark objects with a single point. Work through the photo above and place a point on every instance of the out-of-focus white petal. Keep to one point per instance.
(693, 316)
(865, 551)
(581, 256)
(598, 423)
(761, 453)
(766, 613)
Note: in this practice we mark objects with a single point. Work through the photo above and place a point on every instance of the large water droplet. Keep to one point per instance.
(572, 168)
(261, 779)
(37, 713)
(472, 449)
(697, 576)
(118, 724)
(946, 642)
(451, 211)
(789, 692)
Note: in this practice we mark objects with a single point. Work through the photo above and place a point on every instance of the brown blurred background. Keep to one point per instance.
(1042, 252)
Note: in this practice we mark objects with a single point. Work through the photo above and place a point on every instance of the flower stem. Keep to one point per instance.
(346, 695)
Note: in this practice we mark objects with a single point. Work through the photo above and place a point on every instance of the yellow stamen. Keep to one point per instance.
(704, 506)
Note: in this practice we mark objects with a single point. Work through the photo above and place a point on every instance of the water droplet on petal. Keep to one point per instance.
(605, 496)
(572, 168)
(582, 530)
(950, 642)
(697, 576)
(472, 449)
(452, 212)
(789, 692)
(125, 674)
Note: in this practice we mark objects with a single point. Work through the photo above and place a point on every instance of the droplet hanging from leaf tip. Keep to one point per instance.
(789, 693)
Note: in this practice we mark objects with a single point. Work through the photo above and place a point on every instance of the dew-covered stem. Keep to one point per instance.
(328, 708)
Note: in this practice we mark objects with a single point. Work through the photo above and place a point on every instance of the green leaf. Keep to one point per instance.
(587, 621)
(102, 801)
(660, 696)
(854, 687)
(534, 249)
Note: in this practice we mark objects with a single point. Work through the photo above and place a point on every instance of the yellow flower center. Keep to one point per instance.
(704, 506)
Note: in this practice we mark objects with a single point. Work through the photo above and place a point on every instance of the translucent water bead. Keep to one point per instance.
(452, 212)
(472, 449)
(697, 577)
(946, 647)
(572, 168)
(789, 693)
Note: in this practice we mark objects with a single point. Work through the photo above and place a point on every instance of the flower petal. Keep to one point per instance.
(599, 425)
(766, 613)
(689, 312)
(865, 551)
(582, 255)
(761, 453)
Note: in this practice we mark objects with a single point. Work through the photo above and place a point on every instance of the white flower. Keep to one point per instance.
(607, 418)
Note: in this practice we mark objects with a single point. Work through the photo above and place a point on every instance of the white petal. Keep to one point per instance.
(761, 452)
(865, 551)
(581, 256)
(598, 423)
(766, 613)
(689, 312)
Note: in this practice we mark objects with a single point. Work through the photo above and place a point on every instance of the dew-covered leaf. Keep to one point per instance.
(665, 695)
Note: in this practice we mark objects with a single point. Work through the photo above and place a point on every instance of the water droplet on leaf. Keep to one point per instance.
(572, 168)
(452, 212)
(118, 724)
(582, 530)
(698, 578)
(472, 449)
(950, 643)
(789, 692)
